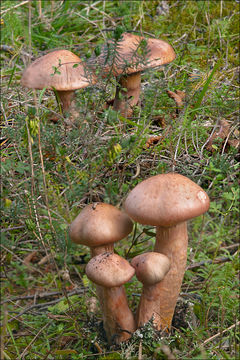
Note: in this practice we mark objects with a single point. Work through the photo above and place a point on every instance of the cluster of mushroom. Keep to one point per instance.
(166, 201)
(64, 72)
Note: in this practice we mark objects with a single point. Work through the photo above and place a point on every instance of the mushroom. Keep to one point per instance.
(150, 268)
(111, 271)
(126, 60)
(168, 201)
(99, 226)
(57, 70)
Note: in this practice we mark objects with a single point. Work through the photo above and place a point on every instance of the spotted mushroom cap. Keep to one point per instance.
(41, 73)
(151, 267)
(134, 53)
(99, 224)
(109, 270)
(165, 200)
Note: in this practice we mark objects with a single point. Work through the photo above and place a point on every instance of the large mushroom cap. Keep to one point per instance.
(150, 267)
(99, 224)
(133, 54)
(41, 73)
(165, 200)
(109, 270)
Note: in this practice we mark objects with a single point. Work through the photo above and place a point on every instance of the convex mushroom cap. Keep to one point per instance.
(165, 200)
(109, 270)
(151, 267)
(134, 54)
(99, 224)
(40, 74)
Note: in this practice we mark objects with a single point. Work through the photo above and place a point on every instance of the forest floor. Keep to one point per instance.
(186, 122)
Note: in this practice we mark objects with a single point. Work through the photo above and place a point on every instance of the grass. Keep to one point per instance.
(49, 173)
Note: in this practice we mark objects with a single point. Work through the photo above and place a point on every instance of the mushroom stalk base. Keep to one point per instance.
(158, 301)
(68, 105)
(66, 98)
(149, 306)
(118, 319)
(97, 251)
(172, 242)
(127, 93)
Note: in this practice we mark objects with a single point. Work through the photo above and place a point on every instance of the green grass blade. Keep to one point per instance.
(206, 85)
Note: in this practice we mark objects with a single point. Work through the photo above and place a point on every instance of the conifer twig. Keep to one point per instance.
(15, 6)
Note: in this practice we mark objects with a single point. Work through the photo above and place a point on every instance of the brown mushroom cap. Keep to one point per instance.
(134, 54)
(109, 270)
(100, 224)
(165, 200)
(151, 267)
(39, 74)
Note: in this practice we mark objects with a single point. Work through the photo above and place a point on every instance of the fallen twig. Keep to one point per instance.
(220, 333)
(15, 6)
(44, 305)
(32, 341)
(41, 295)
(7, 48)
(12, 228)
(30, 267)
(205, 262)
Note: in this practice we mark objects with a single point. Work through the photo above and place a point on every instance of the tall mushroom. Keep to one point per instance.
(60, 70)
(167, 201)
(111, 271)
(150, 269)
(126, 59)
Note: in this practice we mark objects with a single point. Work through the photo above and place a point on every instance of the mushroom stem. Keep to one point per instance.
(66, 98)
(127, 93)
(97, 250)
(118, 319)
(149, 305)
(172, 242)
(150, 268)
(109, 272)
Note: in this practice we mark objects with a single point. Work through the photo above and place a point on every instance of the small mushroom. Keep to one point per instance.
(150, 269)
(167, 201)
(56, 70)
(111, 271)
(99, 226)
(126, 60)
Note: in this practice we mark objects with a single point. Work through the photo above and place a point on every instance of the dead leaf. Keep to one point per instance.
(153, 140)
(159, 120)
(54, 119)
(65, 340)
(30, 258)
(234, 143)
(223, 133)
(45, 259)
(177, 96)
